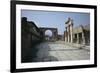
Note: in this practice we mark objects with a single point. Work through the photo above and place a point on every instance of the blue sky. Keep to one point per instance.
(55, 19)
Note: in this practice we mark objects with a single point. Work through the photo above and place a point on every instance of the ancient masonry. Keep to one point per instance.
(31, 35)
(69, 31)
(54, 33)
(80, 34)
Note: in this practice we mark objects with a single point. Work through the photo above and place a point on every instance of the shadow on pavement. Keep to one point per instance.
(40, 53)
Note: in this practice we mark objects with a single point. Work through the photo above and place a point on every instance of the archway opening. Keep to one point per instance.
(48, 35)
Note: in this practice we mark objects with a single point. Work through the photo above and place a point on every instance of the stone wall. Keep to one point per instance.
(30, 36)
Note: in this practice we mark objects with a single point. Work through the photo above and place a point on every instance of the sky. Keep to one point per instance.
(55, 19)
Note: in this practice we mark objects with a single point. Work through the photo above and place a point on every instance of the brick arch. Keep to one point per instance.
(49, 33)
(53, 30)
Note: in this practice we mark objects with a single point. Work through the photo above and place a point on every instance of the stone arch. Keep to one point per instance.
(48, 34)
(53, 30)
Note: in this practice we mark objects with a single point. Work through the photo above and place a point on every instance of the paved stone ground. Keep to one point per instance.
(59, 51)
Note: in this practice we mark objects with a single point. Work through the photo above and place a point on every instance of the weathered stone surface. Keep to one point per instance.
(58, 51)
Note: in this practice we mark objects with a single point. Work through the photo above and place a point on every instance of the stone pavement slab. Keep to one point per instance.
(56, 51)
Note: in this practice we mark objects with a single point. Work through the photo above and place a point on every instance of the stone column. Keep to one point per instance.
(83, 38)
(65, 37)
(43, 34)
(53, 37)
(68, 33)
(69, 25)
(77, 38)
(71, 32)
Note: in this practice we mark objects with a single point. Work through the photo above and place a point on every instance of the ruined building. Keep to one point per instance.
(80, 34)
(30, 35)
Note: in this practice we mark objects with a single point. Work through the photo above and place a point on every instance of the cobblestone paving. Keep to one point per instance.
(59, 51)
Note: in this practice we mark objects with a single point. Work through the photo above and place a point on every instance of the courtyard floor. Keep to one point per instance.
(59, 51)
